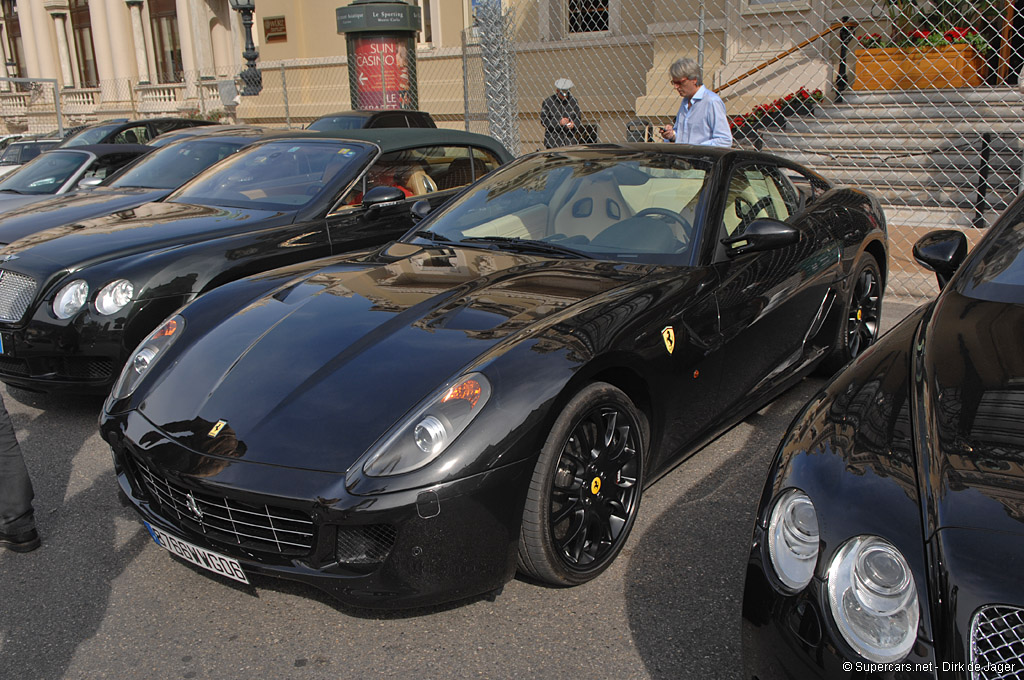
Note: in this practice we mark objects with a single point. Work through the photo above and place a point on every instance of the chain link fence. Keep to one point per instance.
(916, 101)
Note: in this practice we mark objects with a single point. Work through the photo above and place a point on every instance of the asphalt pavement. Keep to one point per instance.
(100, 600)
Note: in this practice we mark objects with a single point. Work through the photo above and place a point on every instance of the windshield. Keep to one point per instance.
(329, 123)
(44, 175)
(23, 152)
(630, 206)
(91, 135)
(284, 174)
(172, 166)
(996, 271)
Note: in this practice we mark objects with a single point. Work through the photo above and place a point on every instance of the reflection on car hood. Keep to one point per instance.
(973, 350)
(10, 202)
(56, 211)
(312, 374)
(150, 226)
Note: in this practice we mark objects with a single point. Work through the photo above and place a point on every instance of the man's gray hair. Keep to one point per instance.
(686, 68)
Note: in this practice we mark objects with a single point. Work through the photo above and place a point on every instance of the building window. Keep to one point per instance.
(15, 47)
(427, 12)
(163, 17)
(81, 27)
(588, 16)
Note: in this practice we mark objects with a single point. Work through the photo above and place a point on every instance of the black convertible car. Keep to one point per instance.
(890, 535)
(412, 424)
(150, 178)
(75, 300)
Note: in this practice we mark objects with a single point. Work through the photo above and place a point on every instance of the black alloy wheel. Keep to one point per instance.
(586, 488)
(862, 318)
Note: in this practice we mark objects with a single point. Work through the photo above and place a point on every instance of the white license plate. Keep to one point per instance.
(201, 557)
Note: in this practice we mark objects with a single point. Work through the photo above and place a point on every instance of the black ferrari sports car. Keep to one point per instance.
(75, 300)
(414, 423)
(151, 178)
(889, 537)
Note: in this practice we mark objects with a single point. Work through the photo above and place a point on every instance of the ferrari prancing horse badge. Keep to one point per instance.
(668, 334)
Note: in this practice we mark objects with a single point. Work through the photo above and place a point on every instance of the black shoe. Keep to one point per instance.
(26, 541)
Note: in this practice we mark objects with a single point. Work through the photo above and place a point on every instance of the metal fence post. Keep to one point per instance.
(842, 78)
(284, 89)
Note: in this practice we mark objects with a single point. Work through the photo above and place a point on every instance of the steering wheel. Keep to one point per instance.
(672, 216)
(748, 212)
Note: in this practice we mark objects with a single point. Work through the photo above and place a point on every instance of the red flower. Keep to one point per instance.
(738, 121)
(920, 34)
(958, 33)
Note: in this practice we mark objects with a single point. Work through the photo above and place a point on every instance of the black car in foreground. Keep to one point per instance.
(129, 131)
(413, 424)
(890, 535)
(75, 300)
(150, 178)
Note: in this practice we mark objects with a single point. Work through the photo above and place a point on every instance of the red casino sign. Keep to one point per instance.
(381, 71)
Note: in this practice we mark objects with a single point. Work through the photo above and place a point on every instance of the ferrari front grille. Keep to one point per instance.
(263, 528)
(997, 643)
(16, 293)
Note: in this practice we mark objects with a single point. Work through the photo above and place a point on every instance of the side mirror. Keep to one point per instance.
(942, 252)
(761, 234)
(379, 197)
(90, 182)
(420, 209)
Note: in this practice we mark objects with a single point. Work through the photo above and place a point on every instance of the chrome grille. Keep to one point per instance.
(16, 293)
(263, 528)
(997, 643)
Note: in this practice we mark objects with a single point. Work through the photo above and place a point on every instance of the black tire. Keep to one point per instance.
(862, 315)
(586, 487)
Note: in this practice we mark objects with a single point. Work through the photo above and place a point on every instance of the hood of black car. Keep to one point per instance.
(67, 209)
(150, 226)
(10, 202)
(312, 374)
(976, 398)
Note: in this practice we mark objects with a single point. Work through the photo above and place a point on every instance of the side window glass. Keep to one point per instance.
(753, 193)
(134, 135)
(407, 170)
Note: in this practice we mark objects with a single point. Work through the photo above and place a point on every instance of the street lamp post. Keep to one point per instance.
(252, 79)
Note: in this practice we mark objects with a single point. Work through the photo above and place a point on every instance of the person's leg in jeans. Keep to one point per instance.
(17, 524)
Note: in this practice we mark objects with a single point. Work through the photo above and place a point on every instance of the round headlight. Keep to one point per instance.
(873, 599)
(430, 435)
(793, 539)
(70, 299)
(114, 296)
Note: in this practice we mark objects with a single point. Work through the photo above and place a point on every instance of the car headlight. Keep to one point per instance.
(114, 296)
(145, 356)
(873, 599)
(793, 539)
(70, 299)
(426, 435)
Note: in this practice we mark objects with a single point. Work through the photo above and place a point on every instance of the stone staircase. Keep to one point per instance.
(935, 158)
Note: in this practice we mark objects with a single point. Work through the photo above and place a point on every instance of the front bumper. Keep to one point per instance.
(393, 550)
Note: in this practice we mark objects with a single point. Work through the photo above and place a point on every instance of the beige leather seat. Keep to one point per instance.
(594, 206)
(419, 183)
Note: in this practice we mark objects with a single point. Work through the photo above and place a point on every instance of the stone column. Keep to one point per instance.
(60, 28)
(188, 54)
(6, 71)
(139, 37)
(32, 40)
(101, 41)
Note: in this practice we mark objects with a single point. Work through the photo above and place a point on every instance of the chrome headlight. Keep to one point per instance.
(873, 599)
(70, 299)
(426, 435)
(145, 355)
(114, 296)
(793, 539)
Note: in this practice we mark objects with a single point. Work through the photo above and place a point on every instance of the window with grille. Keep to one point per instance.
(588, 16)
(81, 27)
(163, 16)
(15, 47)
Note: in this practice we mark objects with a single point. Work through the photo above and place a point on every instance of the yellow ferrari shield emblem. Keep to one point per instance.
(668, 334)
(595, 486)
(215, 430)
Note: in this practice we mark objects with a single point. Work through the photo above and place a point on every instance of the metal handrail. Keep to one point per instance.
(850, 24)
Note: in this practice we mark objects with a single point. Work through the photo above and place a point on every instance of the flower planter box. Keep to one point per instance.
(918, 68)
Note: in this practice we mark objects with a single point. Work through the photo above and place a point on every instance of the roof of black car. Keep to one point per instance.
(107, 149)
(395, 139)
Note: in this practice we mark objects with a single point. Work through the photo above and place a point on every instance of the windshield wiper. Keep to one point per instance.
(528, 245)
(432, 236)
(11, 191)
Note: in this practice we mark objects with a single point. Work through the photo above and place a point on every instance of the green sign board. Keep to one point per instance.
(378, 16)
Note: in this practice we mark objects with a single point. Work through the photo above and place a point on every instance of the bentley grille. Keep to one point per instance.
(997, 643)
(16, 293)
(263, 528)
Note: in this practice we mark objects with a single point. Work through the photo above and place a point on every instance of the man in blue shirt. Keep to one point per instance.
(701, 118)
